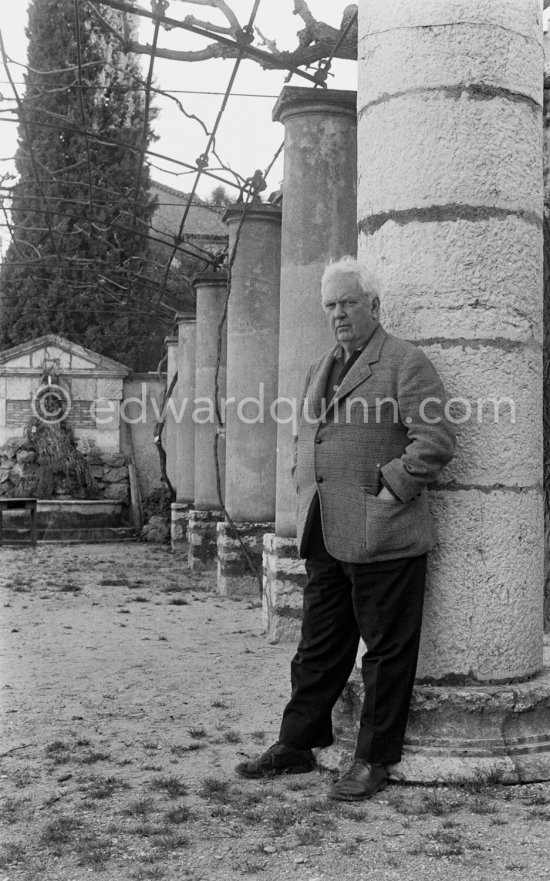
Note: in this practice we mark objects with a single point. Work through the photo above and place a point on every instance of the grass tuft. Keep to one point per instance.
(215, 789)
(114, 582)
(57, 746)
(152, 873)
(12, 809)
(59, 831)
(12, 852)
(439, 804)
(93, 851)
(444, 843)
(104, 787)
(172, 785)
(232, 736)
(171, 841)
(281, 818)
(181, 750)
(252, 867)
(482, 805)
(138, 808)
(538, 799)
(178, 815)
(197, 733)
(309, 835)
(90, 758)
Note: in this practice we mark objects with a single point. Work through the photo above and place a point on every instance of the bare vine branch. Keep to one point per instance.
(315, 41)
(223, 7)
(302, 9)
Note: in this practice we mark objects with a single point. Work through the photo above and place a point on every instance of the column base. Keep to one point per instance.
(284, 581)
(500, 733)
(179, 523)
(235, 578)
(203, 540)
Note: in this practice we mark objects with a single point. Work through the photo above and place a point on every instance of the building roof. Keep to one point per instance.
(203, 220)
(32, 355)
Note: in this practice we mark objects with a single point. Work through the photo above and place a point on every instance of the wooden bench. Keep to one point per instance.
(20, 505)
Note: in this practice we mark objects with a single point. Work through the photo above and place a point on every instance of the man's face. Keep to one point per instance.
(351, 316)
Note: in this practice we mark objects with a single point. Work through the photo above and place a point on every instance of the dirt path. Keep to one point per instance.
(129, 691)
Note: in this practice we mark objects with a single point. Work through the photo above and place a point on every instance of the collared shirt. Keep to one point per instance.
(340, 366)
(339, 369)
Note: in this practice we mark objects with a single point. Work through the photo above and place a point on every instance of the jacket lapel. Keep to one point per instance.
(317, 390)
(361, 369)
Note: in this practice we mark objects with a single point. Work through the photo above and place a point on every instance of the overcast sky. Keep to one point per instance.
(247, 138)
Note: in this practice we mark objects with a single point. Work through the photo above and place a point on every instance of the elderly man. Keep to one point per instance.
(373, 435)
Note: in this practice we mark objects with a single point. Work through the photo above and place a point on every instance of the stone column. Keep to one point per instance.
(546, 321)
(450, 216)
(170, 427)
(319, 224)
(211, 347)
(185, 432)
(252, 378)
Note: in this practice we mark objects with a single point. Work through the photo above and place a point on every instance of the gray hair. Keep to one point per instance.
(368, 281)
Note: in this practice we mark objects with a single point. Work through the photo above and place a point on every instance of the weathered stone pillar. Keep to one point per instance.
(546, 323)
(211, 349)
(450, 214)
(252, 381)
(185, 432)
(170, 427)
(319, 225)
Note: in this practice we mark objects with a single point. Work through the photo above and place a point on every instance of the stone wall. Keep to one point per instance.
(19, 466)
(110, 473)
(143, 395)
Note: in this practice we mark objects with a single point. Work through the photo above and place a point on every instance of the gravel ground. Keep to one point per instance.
(130, 690)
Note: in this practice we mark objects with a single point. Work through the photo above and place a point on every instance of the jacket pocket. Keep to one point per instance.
(370, 479)
(391, 526)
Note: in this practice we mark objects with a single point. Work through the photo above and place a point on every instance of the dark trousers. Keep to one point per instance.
(382, 603)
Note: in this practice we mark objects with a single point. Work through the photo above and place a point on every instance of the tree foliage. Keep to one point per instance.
(219, 196)
(80, 206)
(79, 264)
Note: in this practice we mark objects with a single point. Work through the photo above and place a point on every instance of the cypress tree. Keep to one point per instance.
(81, 211)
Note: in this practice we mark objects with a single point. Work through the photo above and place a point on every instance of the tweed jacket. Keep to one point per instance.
(387, 418)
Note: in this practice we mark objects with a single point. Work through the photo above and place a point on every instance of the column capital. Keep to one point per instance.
(260, 211)
(186, 317)
(297, 100)
(210, 279)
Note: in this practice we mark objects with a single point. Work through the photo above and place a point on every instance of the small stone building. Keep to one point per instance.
(89, 389)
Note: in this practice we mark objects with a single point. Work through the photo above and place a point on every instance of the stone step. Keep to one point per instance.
(70, 514)
(70, 536)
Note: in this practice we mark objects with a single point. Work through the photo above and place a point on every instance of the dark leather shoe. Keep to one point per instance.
(362, 780)
(278, 759)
